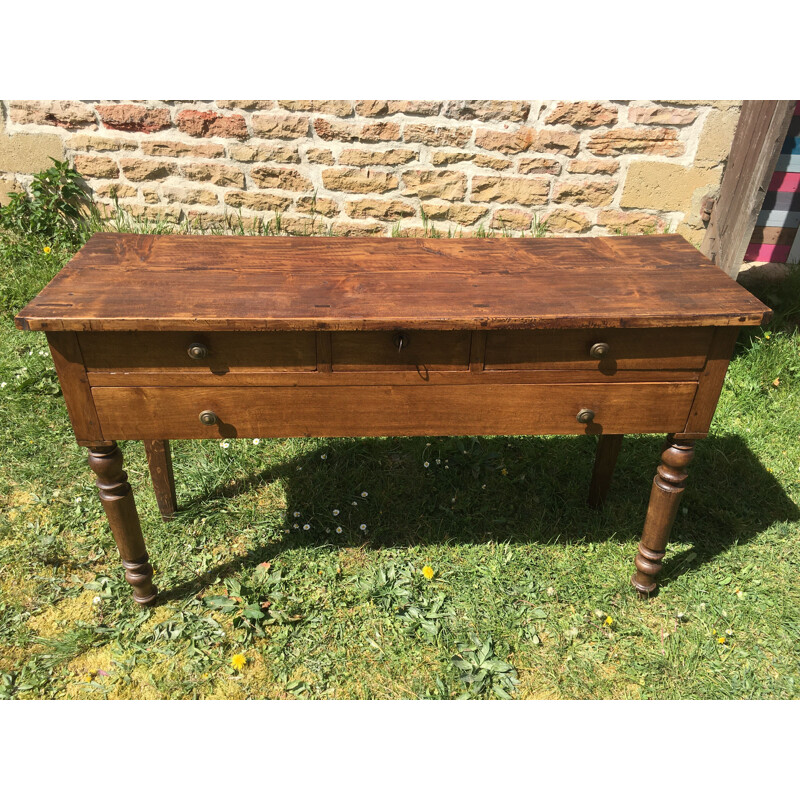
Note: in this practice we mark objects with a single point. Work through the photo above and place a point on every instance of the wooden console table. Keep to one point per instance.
(198, 337)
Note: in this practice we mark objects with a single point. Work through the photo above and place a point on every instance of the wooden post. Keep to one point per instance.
(120, 507)
(665, 497)
(159, 459)
(607, 451)
(754, 153)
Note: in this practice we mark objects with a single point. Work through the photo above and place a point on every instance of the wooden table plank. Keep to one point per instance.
(192, 283)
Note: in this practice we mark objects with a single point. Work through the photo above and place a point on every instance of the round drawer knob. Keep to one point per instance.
(197, 350)
(599, 350)
(585, 416)
(208, 418)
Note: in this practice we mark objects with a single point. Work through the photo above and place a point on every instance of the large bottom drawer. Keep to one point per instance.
(443, 410)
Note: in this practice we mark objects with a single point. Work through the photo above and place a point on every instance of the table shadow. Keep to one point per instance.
(730, 497)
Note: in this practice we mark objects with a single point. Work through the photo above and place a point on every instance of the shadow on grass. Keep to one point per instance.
(466, 498)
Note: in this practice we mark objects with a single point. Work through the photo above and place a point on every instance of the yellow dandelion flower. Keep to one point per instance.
(609, 621)
(721, 639)
(427, 572)
(238, 661)
(46, 250)
(504, 471)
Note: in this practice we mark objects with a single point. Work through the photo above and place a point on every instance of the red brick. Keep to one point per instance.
(280, 126)
(138, 119)
(589, 193)
(583, 115)
(657, 115)
(649, 141)
(593, 166)
(539, 166)
(140, 169)
(96, 166)
(512, 218)
(441, 184)
(338, 108)
(359, 181)
(485, 110)
(173, 149)
(69, 114)
(280, 178)
(437, 136)
(378, 208)
(333, 130)
(377, 108)
(567, 220)
(209, 123)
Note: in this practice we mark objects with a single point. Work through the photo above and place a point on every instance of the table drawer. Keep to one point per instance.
(451, 409)
(200, 353)
(625, 349)
(354, 351)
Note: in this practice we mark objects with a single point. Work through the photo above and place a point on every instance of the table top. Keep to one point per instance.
(127, 282)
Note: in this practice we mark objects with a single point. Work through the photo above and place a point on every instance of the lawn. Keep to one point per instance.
(400, 568)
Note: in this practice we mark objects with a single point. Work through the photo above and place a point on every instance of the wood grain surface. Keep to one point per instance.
(132, 282)
(442, 410)
(673, 348)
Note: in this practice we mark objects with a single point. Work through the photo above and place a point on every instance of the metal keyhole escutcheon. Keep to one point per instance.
(400, 341)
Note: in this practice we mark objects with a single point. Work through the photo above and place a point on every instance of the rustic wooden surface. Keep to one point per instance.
(385, 337)
(68, 361)
(754, 153)
(710, 384)
(665, 497)
(383, 350)
(120, 282)
(120, 507)
(159, 459)
(418, 410)
(673, 348)
(605, 460)
(227, 352)
(387, 377)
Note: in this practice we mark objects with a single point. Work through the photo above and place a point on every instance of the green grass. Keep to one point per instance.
(525, 575)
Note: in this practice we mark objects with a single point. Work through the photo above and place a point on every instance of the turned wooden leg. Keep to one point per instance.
(604, 462)
(159, 459)
(120, 508)
(665, 497)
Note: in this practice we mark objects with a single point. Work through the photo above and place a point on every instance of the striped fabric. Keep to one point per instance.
(775, 237)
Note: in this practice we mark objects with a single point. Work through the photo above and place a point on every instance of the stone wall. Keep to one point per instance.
(386, 167)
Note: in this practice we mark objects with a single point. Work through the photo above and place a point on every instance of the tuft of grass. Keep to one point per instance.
(479, 572)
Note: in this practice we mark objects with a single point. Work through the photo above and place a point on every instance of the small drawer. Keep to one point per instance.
(400, 350)
(604, 351)
(197, 353)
